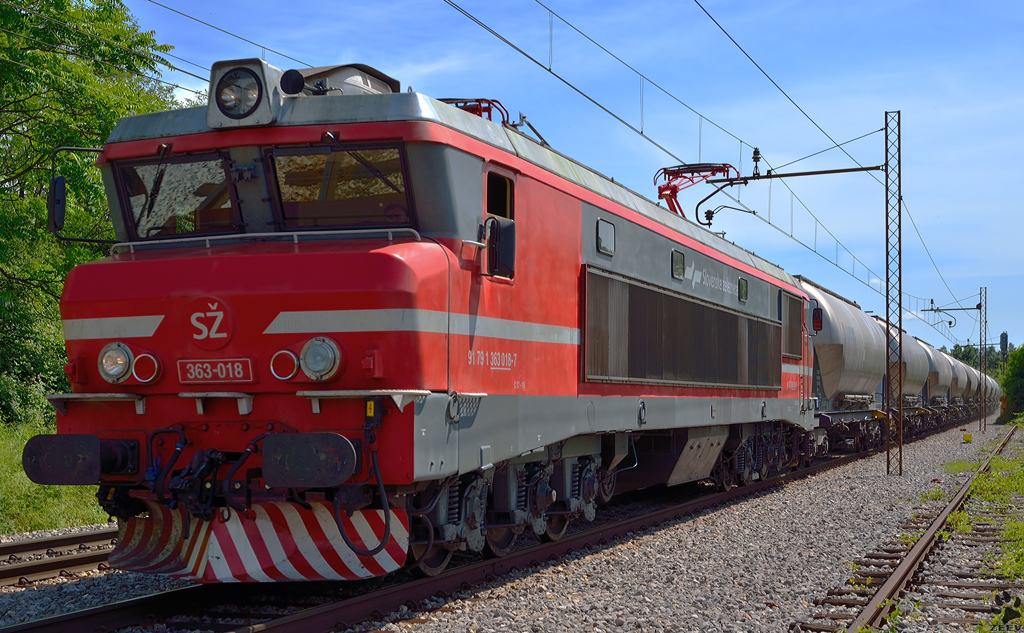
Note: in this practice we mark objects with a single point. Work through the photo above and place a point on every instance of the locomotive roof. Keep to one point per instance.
(419, 107)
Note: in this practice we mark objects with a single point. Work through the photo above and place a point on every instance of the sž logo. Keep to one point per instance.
(211, 331)
(210, 322)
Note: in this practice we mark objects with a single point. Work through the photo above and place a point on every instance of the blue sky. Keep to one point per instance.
(955, 74)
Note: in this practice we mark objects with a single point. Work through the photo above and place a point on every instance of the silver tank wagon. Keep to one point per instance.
(959, 383)
(940, 375)
(915, 364)
(973, 382)
(849, 350)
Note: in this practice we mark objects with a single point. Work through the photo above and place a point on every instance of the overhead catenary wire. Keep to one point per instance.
(903, 204)
(649, 139)
(702, 118)
(642, 76)
(817, 221)
(182, 59)
(227, 32)
(945, 333)
(829, 137)
(469, 15)
(828, 149)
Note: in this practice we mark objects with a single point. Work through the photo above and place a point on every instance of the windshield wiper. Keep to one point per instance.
(329, 136)
(158, 180)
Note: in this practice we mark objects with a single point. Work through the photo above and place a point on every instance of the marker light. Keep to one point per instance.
(146, 368)
(284, 365)
(115, 362)
(238, 93)
(320, 358)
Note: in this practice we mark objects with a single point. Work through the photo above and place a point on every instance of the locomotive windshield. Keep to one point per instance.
(182, 196)
(311, 187)
(341, 188)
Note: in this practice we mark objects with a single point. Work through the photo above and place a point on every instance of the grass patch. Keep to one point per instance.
(1004, 479)
(934, 494)
(1011, 564)
(960, 521)
(958, 466)
(25, 506)
(910, 538)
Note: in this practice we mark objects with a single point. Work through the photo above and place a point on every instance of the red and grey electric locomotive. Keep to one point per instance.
(348, 330)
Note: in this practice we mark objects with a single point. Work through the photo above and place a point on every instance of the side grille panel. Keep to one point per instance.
(637, 333)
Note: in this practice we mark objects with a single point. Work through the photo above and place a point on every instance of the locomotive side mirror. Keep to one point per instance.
(816, 319)
(56, 204)
(501, 247)
(57, 198)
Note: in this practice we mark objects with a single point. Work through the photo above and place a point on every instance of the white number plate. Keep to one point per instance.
(226, 370)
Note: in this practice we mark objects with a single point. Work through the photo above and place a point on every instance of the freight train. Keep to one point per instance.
(348, 330)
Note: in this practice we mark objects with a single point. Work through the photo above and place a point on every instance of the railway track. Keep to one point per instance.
(29, 560)
(888, 579)
(325, 607)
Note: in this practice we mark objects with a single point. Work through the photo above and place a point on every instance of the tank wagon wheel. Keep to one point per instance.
(429, 563)
(557, 526)
(500, 541)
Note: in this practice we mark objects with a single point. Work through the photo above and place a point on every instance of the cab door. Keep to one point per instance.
(513, 323)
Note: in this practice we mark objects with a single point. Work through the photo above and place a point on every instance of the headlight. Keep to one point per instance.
(238, 93)
(320, 358)
(115, 362)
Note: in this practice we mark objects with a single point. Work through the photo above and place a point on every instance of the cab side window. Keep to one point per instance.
(499, 231)
(500, 196)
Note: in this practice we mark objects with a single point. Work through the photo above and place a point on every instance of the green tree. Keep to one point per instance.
(69, 69)
(1013, 381)
(967, 354)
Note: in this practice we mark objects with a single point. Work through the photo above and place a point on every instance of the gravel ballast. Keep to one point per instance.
(10, 538)
(754, 565)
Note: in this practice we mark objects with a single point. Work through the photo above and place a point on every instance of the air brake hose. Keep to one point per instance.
(226, 486)
(387, 517)
(158, 484)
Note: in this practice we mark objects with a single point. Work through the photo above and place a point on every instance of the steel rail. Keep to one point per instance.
(109, 617)
(377, 603)
(876, 609)
(62, 554)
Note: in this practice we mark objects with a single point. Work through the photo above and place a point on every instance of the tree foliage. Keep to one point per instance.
(69, 69)
(968, 354)
(1013, 381)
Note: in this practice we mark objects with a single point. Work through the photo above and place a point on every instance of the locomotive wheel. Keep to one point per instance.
(500, 541)
(724, 477)
(431, 563)
(558, 524)
(605, 486)
(744, 478)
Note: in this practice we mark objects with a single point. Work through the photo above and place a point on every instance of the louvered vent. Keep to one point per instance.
(635, 333)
